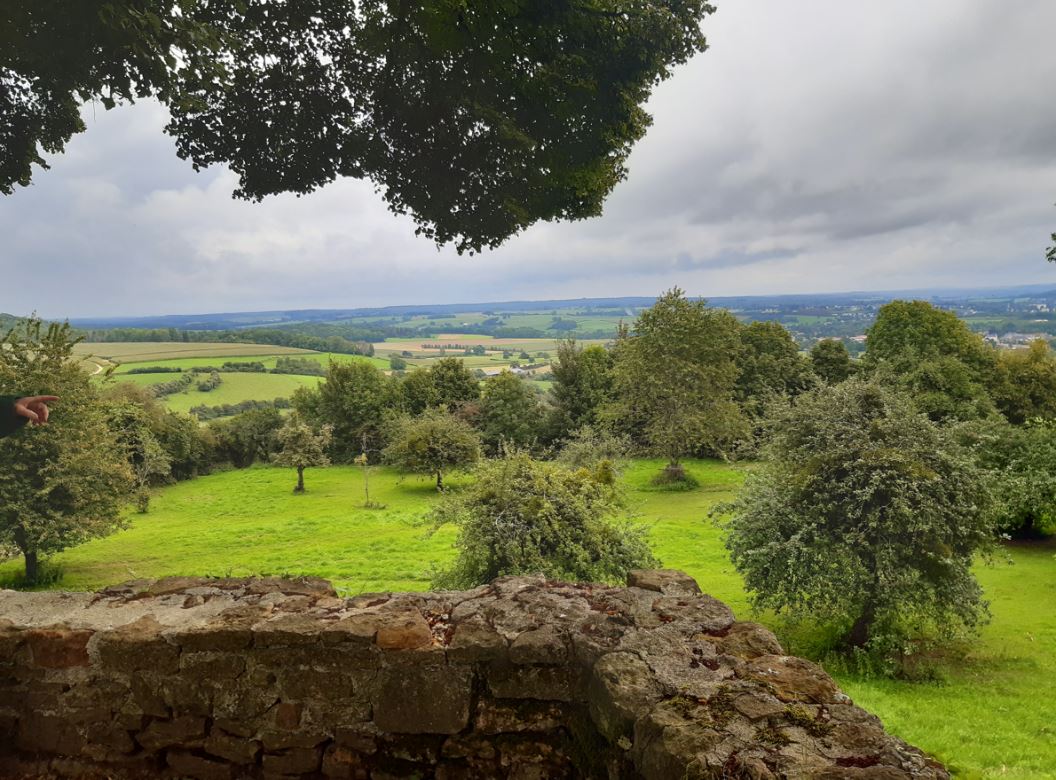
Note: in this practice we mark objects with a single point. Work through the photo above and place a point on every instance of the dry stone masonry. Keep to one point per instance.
(524, 678)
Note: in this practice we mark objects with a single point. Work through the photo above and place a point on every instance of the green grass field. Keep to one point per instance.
(234, 388)
(990, 716)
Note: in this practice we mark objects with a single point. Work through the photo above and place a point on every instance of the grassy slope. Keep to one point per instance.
(992, 717)
(234, 388)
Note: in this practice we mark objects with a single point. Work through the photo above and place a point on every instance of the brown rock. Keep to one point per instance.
(792, 679)
(544, 645)
(165, 733)
(423, 700)
(546, 683)
(58, 648)
(344, 764)
(190, 765)
(406, 631)
(474, 641)
(236, 749)
(663, 581)
(138, 646)
(49, 734)
(622, 686)
(295, 761)
(748, 640)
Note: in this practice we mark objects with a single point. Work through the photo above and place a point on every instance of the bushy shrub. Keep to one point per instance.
(864, 512)
(522, 516)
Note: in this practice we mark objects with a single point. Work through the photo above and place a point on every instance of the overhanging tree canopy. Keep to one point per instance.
(476, 117)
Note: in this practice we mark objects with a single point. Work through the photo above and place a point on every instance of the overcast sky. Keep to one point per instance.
(817, 146)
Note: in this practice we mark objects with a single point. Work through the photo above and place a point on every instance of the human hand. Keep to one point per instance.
(35, 408)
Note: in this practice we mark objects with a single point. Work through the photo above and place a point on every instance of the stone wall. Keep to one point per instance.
(524, 678)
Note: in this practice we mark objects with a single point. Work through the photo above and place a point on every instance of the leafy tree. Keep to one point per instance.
(583, 384)
(418, 392)
(770, 364)
(1021, 460)
(471, 117)
(1026, 383)
(509, 412)
(945, 389)
(521, 516)
(1050, 255)
(302, 447)
(353, 400)
(188, 446)
(674, 379)
(65, 482)
(147, 458)
(397, 363)
(248, 437)
(589, 447)
(865, 511)
(831, 361)
(432, 443)
(455, 384)
(906, 332)
(937, 359)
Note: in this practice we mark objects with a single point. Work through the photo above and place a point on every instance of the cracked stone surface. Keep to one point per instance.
(522, 678)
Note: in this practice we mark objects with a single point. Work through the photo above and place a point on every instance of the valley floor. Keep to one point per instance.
(992, 715)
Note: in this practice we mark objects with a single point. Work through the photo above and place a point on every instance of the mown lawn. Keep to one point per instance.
(993, 715)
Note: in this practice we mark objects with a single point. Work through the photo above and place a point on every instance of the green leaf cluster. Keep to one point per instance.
(865, 512)
(522, 516)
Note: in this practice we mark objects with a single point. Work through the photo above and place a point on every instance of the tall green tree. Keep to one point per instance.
(521, 516)
(455, 385)
(354, 399)
(302, 447)
(65, 482)
(932, 353)
(473, 118)
(418, 391)
(906, 332)
(865, 512)
(247, 438)
(510, 412)
(432, 443)
(770, 364)
(1026, 383)
(675, 375)
(583, 384)
(149, 462)
(830, 361)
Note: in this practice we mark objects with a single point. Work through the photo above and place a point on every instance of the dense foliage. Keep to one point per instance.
(866, 512)
(432, 443)
(65, 482)
(674, 377)
(478, 119)
(301, 447)
(522, 516)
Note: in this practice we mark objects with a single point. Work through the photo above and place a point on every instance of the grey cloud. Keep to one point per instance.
(816, 147)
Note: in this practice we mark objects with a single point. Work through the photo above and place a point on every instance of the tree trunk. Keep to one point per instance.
(300, 480)
(439, 482)
(32, 566)
(858, 636)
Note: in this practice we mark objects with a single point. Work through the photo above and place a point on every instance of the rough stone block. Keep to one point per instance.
(295, 761)
(424, 700)
(58, 648)
(198, 767)
(161, 734)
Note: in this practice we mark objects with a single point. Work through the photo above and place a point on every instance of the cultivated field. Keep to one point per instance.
(989, 715)
(139, 351)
